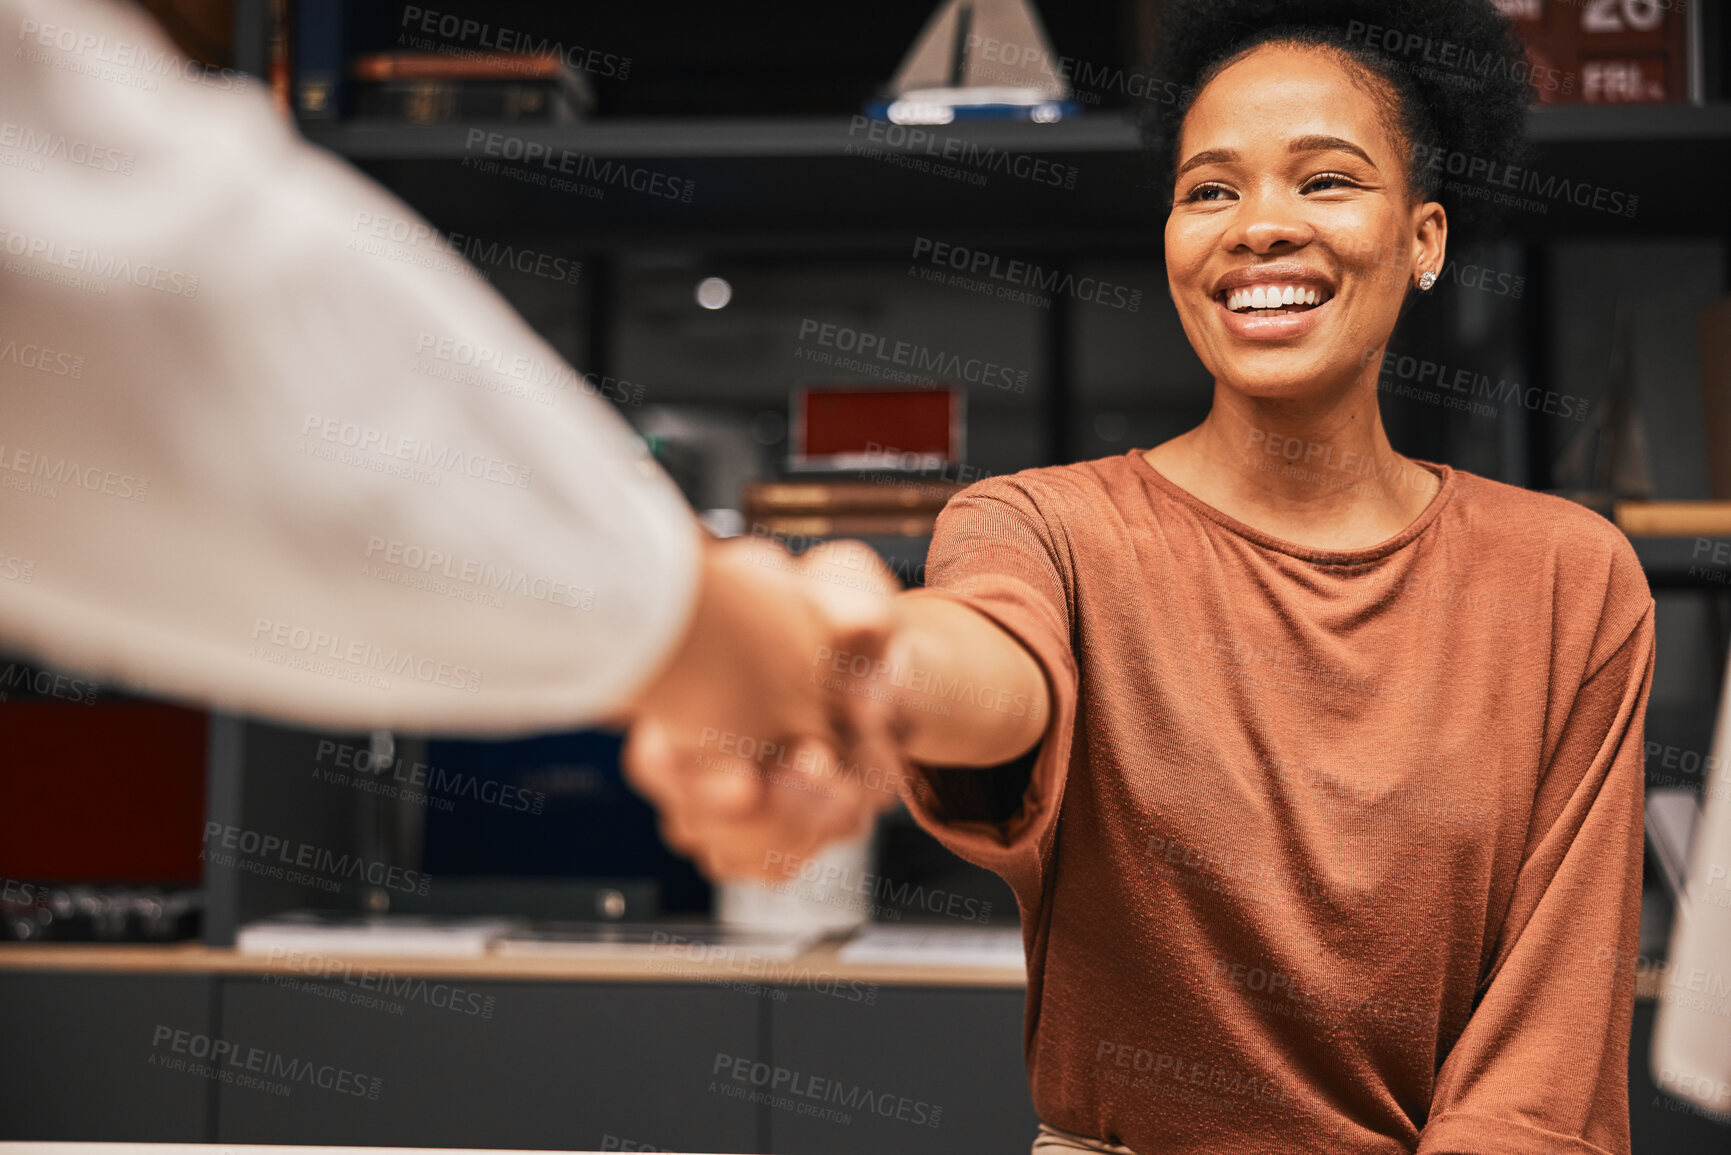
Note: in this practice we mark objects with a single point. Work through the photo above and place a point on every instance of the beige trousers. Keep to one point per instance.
(1051, 1140)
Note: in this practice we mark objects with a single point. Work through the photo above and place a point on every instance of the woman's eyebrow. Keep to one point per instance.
(1302, 144)
(1329, 144)
(1207, 156)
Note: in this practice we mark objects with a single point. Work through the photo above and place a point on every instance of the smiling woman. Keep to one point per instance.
(1259, 923)
(1316, 846)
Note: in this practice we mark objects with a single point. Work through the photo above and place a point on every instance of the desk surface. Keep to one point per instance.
(819, 961)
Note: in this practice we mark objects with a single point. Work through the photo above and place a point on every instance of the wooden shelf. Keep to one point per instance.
(1609, 124)
(668, 139)
(1098, 133)
(1691, 519)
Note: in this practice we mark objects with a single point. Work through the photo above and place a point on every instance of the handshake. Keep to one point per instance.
(801, 697)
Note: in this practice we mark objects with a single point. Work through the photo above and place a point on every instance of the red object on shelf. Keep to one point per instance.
(101, 792)
(851, 427)
(380, 66)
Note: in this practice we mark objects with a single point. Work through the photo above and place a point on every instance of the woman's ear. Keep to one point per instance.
(1430, 238)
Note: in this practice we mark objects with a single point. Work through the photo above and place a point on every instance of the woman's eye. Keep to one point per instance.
(1208, 192)
(1322, 182)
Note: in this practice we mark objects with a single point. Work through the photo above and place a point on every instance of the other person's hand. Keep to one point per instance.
(765, 731)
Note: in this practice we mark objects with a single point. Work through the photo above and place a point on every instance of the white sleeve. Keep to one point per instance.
(257, 453)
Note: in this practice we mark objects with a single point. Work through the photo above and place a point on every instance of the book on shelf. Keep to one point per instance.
(847, 525)
(829, 498)
(430, 87)
(320, 62)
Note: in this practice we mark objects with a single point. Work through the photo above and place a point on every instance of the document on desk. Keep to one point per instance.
(399, 935)
(694, 941)
(954, 946)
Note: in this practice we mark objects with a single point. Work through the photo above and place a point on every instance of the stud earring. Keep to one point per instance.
(1425, 280)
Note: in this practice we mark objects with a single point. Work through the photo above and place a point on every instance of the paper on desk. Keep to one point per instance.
(419, 936)
(694, 941)
(937, 946)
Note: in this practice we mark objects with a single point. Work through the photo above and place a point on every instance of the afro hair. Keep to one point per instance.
(1456, 77)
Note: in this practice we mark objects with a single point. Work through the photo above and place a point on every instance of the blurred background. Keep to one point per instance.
(829, 286)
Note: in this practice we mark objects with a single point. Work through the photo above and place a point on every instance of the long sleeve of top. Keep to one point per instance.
(1575, 907)
(268, 443)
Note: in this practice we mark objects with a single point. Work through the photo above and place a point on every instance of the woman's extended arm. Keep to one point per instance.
(928, 677)
(966, 692)
(915, 678)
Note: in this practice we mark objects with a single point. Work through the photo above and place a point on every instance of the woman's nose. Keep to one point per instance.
(1263, 221)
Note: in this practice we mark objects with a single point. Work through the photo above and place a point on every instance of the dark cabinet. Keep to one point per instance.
(513, 1065)
(1660, 1124)
(395, 1061)
(918, 1070)
(106, 1058)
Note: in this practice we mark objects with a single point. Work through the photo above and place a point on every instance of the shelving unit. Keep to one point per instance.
(756, 183)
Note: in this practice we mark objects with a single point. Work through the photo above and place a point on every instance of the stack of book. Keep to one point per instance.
(322, 68)
(846, 508)
(430, 87)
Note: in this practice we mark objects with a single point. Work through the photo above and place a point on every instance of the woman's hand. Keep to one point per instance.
(748, 741)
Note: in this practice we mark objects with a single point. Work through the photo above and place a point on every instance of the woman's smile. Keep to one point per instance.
(1276, 301)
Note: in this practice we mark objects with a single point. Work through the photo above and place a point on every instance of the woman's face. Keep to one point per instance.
(1293, 238)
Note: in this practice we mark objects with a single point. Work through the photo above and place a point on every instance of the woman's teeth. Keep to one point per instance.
(1271, 297)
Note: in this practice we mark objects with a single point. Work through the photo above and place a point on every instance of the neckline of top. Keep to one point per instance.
(1304, 552)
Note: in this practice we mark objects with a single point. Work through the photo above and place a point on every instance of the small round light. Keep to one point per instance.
(714, 293)
(1045, 114)
(768, 427)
